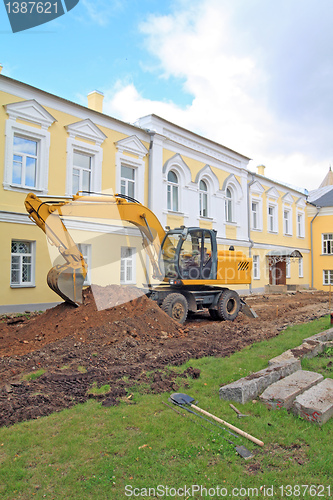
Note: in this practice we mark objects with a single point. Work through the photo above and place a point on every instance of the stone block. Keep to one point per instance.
(322, 336)
(248, 388)
(316, 404)
(282, 394)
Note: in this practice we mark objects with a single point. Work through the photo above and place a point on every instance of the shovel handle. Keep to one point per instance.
(232, 427)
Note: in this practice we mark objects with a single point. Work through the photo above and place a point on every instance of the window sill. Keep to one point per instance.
(202, 217)
(171, 212)
(257, 229)
(23, 286)
(24, 189)
(326, 254)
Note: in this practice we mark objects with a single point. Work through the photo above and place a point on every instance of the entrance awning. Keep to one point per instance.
(283, 255)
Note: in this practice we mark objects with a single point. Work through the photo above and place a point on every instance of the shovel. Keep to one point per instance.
(183, 399)
(241, 450)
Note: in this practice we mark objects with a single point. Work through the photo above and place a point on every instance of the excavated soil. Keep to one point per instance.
(122, 346)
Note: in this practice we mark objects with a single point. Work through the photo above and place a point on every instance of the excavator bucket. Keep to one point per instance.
(67, 282)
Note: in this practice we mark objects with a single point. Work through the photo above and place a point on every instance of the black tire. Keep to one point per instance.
(214, 314)
(175, 305)
(228, 305)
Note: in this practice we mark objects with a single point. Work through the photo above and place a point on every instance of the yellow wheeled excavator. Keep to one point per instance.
(192, 273)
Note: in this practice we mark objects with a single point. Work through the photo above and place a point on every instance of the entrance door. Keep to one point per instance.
(277, 273)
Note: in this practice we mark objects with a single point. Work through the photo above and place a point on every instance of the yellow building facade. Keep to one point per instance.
(320, 223)
(54, 148)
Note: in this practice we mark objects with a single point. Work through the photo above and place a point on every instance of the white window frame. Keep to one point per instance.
(288, 274)
(300, 268)
(42, 137)
(81, 170)
(272, 218)
(126, 181)
(172, 188)
(256, 267)
(327, 277)
(287, 222)
(125, 263)
(32, 254)
(85, 250)
(126, 150)
(203, 199)
(300, 221)
(327, 243)
(258, 203)
(96, 154)
(229, 205)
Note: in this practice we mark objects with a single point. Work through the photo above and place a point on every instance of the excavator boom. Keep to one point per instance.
(67, 280)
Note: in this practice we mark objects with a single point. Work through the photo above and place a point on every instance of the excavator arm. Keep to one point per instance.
(67, 280)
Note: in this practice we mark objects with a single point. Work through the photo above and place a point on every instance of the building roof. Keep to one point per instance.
(323, 200)
(328, 181)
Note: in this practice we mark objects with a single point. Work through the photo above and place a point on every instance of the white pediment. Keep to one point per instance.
(30, 111)
(86, 129)
(132, 145)
(206, 173)
(287, 198)
(272, 193)
(300, 203)
(257, 188)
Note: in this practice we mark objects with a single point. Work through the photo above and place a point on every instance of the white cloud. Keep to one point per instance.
(248, 92)
(100, 11)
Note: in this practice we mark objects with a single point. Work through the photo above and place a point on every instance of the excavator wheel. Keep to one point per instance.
(228, 305)
(175, 305)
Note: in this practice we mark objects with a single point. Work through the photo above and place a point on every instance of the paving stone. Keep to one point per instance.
(316, 404)
(322, 336)
(282, 394)
(248, 388)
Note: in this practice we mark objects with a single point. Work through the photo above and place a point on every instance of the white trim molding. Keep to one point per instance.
(132, 146)
(33, 114)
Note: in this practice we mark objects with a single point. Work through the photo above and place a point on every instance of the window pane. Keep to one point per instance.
(128, 173)
(175, 198)
(123, 187)
(76, 181)
(131, 186)
(203, 186)
(172, 177)
(17, 170)
(30, 172)
(82, 160)
(169, 197)
(85, 180)
(27, 146)
(204, 205)
(23, 247)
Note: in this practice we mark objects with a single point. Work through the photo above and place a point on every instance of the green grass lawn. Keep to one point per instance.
(95, 452)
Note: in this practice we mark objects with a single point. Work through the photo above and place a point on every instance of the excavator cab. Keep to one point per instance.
(189, 254)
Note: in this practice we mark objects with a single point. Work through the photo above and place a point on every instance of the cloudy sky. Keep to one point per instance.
(253, 75)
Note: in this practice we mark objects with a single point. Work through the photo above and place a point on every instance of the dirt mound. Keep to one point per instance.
(55, 360)
(133, 314)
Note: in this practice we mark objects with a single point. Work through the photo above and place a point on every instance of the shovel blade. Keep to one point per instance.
(244, 452)
(179, 398)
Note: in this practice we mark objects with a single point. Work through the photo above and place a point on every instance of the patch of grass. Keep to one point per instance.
(94, 389)
(34, 375)
(322, 363)
(96, 452)
(82, 369)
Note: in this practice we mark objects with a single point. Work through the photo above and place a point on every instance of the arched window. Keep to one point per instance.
(203, 199)
(173, 191)
(229, 206)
